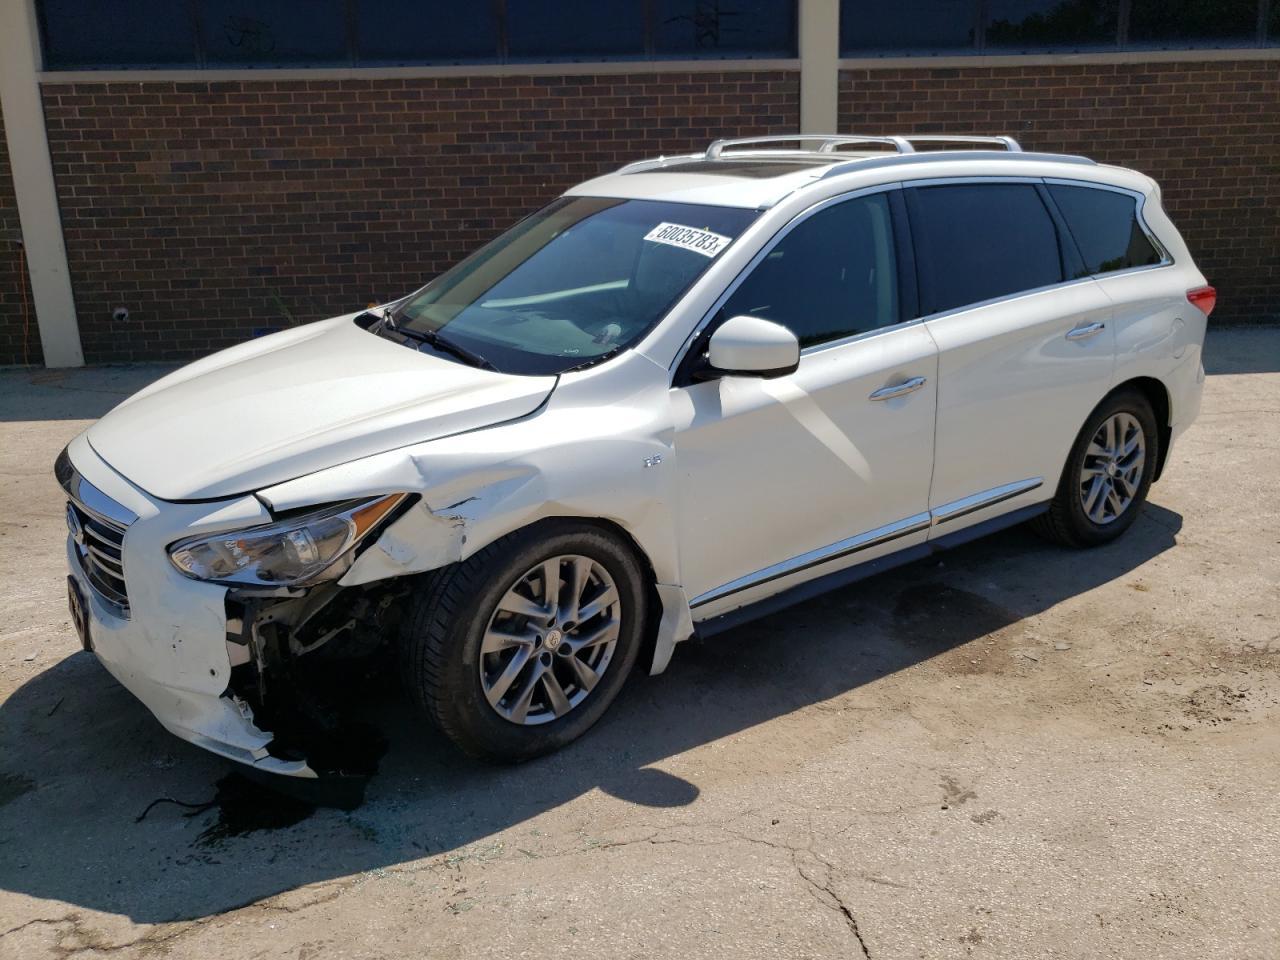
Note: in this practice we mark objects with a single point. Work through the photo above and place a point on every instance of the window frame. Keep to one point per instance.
(690, 356)
(1140, 202)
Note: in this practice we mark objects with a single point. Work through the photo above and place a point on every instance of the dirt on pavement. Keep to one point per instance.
(1010, 751)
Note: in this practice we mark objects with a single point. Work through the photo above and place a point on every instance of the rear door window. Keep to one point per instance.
(979, 241)
(1105, 226)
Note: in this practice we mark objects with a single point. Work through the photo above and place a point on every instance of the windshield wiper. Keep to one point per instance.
(431, 338)
(434, 340)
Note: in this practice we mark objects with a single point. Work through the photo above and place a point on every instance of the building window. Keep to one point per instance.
(869, 28)
(112, 34)
(245, 33)
(399, 32)
(1014, 26)
(689, 29)
(1171, 24)
(575, 30)
(872, 28)
(82, 34)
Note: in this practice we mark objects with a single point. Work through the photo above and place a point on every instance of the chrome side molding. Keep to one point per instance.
(872, 538)
(813, 558)
(980, 501)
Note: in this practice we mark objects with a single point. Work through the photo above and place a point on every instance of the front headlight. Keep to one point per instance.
(296, 551)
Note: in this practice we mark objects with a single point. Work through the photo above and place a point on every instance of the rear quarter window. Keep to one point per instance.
(1105, 226)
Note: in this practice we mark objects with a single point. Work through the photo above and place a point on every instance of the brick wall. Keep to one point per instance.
(1208, 132)
(214, 208)
(19, 336)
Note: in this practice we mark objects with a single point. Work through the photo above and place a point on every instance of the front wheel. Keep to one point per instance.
(1107, 475)
(519, 649)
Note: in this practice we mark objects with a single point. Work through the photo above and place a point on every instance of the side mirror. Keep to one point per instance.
(753, 347)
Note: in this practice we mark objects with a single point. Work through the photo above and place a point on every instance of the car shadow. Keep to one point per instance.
(80, 759)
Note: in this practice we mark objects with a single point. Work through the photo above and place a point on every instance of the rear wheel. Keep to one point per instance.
(1107, 475)
(518, 650)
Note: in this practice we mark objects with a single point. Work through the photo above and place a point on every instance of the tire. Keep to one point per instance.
(449, 641)
(1068, 520)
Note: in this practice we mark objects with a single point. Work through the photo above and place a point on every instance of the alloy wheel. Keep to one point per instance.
(1112, 471)
(550, 640)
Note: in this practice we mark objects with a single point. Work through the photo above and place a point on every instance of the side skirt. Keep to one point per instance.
(819, 585)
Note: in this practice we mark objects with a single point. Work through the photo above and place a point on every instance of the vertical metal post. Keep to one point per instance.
(32, 170)
(819, 65)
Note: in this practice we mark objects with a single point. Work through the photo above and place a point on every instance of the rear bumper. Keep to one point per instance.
(169, 650)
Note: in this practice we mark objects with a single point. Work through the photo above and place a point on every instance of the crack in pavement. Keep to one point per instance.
(823, 891)
(826, 894)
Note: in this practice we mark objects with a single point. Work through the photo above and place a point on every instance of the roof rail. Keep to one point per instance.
(860, 164)
(831, 142)
(1008, 143)
(827, 142)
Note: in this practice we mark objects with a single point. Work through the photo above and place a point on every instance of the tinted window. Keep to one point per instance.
(1193, 23)
(280, 32)
(1029, 25)
(426, 31)
(574, 28)
(1105, 227)
(914, 26)
(90, 34)
(115, 32)
(724, 28)
(834, 275)
(979, 241)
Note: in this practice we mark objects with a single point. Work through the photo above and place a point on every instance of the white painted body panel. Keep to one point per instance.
(171, 652)
(713, 483)
(771, 469)
(1014, 391)
(294, 402)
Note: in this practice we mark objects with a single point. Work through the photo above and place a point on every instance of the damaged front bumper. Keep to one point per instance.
(220, 722)
(168, 645)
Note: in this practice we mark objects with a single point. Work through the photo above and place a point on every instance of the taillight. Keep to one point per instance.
(1203, 298)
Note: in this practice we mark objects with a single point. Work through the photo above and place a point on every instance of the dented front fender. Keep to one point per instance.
(594, 450)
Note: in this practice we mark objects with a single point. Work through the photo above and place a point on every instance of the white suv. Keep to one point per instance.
(684, 394)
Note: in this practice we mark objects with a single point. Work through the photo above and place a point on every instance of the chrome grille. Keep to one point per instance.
(100, 544)
(98, 536)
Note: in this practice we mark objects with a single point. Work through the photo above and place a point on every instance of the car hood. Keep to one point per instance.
(299, 401)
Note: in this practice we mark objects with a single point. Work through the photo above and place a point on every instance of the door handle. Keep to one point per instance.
(898, 389)
(1087, 331)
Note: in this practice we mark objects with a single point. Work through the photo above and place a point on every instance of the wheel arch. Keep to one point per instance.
(666, 606)
(1158, 396)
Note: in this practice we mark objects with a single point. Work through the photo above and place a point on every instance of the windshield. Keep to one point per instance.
(580, 280)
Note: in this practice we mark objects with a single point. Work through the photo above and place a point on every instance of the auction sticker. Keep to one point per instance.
(688, 238)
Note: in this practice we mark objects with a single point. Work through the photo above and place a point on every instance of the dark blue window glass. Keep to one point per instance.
(575, 29)
(724, 28)
(977, 242)
(425, 31)
(275, 33)
(875, 28)
(1193, 23)
(116, 33)
(1105, 227)
(1015, 26)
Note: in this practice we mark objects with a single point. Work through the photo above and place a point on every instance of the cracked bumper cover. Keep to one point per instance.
(170, 651)
(219, 723)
